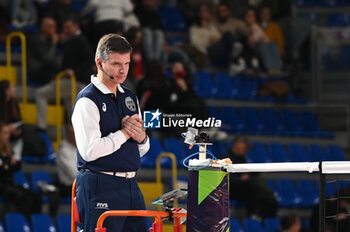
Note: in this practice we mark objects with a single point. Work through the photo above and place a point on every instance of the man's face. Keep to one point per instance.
(48, 26)
(240, 148)
(117, 66)
(250, 17)
(265, 14)
(223, 12)
(70, 28)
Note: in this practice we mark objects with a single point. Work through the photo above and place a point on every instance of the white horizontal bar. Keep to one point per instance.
(328, 167)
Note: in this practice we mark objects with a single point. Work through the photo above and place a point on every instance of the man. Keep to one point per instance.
(249, 187)
(42, 63)
(110, 140)
(77, 59)
(225, 23)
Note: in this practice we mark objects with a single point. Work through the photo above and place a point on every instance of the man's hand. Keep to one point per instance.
(133, 126)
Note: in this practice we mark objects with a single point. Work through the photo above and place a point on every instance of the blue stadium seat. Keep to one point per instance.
(334, 153)
(235, 226)
(172, 19)
(40, 176)
(175, 146)
(236, 86)
(311, 126)
(231, 121)
(271, 121)
(308, 192)
(42, 223)
(218, 149)
(149, 159)
(21, 180)
(16, 223)
(291, 124)
(49, 157)
(257, 154)
(252, 225)
(37, 176)
(251, 120)
(316, 153)
(309, 123)
(342, 184)
(339, 20)
(271, 185)
(213, 111)
(277, 153)
(272, 224)
(63, 223)
(330, 188)
(304, 3)
(296, 153)
(78, 5)
(203, 84)
(288, 196)
(249, 88)
(223, 86)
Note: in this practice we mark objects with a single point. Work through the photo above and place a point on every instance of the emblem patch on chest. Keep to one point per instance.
(130, 104)
(104, 107)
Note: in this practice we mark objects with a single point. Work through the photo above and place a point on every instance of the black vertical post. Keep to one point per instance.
(322, 207)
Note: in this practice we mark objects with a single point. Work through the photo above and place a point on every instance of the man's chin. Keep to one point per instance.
(119, 80)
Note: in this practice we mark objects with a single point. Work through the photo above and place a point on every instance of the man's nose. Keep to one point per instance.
(122, 68)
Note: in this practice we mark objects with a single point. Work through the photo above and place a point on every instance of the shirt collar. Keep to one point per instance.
(102, 87)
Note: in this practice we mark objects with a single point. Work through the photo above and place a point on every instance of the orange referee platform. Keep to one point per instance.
(157, 226)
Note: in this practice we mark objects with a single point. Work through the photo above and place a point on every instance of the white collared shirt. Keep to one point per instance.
(85, 120)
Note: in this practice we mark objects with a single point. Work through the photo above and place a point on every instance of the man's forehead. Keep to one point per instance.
(116, 56)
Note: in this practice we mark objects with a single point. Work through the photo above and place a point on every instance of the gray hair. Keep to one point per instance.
(112, 43)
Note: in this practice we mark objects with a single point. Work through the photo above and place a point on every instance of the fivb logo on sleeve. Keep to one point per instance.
(152, 119)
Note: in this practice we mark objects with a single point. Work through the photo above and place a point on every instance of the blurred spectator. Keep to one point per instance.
(205, 36)
(77, 60)
(152, 34)
(261, 46)
(204, 33)
(26, 201)
(134, 36)
(188, 9)
(10, 114)
(290, 223)
(109, 15)
(60, 10)
(42, 62)
(22, 12)
(279, 10)
(337, 210)
(249, 187)
(225, 22)
(183, 95)
(271, 29)
(67, 163)
(154, 90)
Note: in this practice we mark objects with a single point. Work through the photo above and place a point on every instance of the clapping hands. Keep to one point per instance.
(133, 127)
